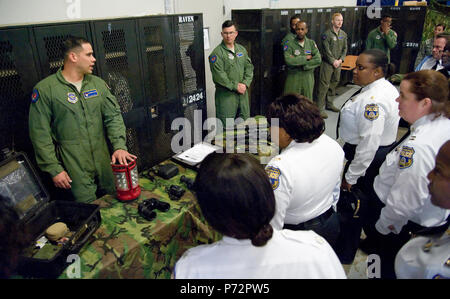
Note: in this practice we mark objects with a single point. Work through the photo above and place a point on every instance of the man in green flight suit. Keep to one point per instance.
(291, 34)
(232, 73)
(70, 113)
(382, 37)
(302, 57)
(334, 50)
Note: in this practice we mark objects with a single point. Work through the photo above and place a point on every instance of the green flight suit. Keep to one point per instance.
(288, 37)
(300, 74)
(334, 47)
(67, 129)
(378, 40)
(229, 68)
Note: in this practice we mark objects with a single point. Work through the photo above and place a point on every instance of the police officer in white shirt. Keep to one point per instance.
(306, 174)
(402, 183)
(237, 200)
(368, 123)
(429, 257)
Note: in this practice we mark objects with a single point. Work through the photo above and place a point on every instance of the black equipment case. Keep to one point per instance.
(24, 192)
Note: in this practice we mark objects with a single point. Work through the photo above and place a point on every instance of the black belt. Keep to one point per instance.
(321, 218)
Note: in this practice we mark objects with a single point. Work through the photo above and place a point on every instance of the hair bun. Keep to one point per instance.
(264, 235)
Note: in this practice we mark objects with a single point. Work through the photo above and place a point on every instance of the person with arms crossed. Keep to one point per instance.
(302, 57)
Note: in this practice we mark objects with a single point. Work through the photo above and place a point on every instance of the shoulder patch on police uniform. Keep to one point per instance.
(371, 111)
(406, 157)
(34, 96)
(213, 59)
(90, 94)
(72, 97)
(274, 176)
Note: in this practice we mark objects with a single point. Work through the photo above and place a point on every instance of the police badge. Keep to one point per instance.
(406, 157)
(72, 98)
(371, 112)
(274, 176)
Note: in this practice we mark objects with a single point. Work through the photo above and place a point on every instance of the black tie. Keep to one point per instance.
(401, 139)
(339, 117)
(435, 65)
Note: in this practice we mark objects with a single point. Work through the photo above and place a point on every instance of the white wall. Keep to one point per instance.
(215, 12)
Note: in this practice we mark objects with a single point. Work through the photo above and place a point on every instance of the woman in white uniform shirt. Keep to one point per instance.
(429, 257)
(306, 175)
(368, 123)
(402, 183)
(237, 200)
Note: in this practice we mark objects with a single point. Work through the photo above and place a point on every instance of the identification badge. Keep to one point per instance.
(90, 94)
(406, 157)
(371, 112)
(72, 97)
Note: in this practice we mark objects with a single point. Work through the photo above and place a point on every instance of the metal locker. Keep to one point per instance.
(49, 39)
(116, 51)
(250, 36)
(189, 50)
(18, 75)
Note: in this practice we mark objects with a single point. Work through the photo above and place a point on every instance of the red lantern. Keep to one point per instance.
(127, 181)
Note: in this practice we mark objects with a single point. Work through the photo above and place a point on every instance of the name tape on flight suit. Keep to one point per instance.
(90, 94)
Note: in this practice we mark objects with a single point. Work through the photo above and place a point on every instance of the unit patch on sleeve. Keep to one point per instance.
(35, 96)
(406, 157)
(371, 111)
(274, 176)
(213, 59)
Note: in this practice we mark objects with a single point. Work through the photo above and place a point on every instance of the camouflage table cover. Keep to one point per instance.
(128, 246)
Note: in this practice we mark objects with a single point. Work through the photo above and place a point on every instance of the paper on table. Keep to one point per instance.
(197, 153)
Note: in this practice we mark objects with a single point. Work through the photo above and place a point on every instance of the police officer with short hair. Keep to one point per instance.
(306, 175)
(232, 73)
(302, 57)
(334, 50)
(382, 37)
(69, 115)
(402, 184)
(429, 256)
